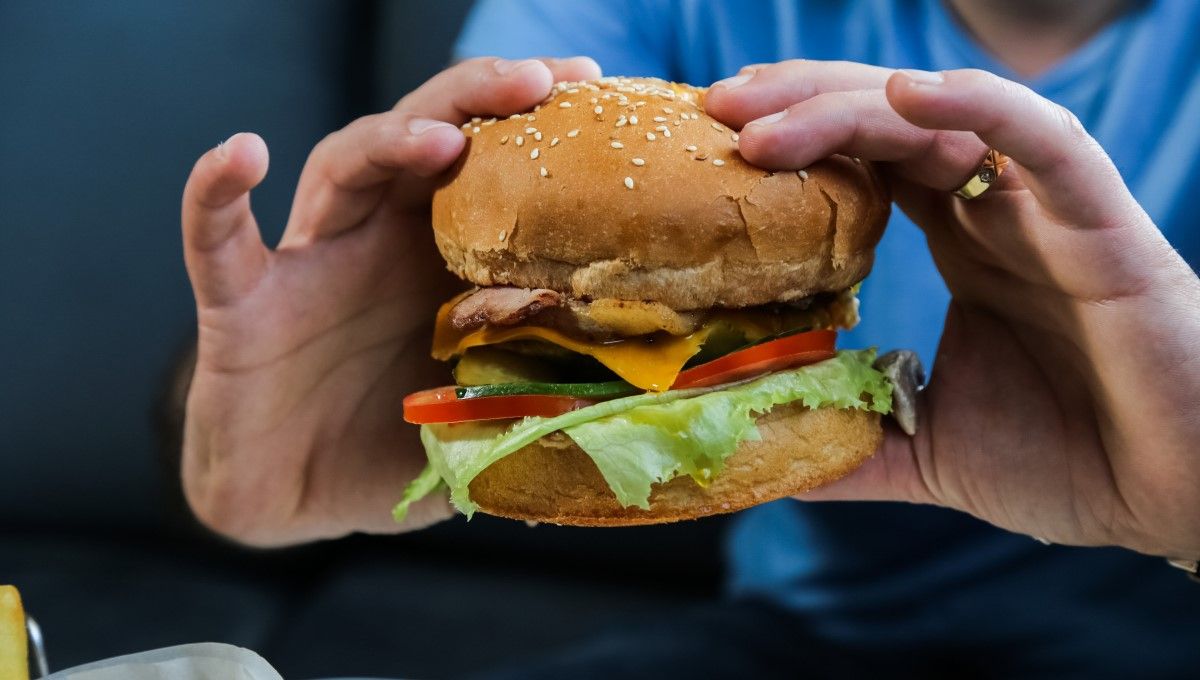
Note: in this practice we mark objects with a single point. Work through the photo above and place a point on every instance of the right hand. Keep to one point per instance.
(293, 428)
(1064, 401)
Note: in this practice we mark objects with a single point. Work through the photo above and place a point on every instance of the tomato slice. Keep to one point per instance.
(440, 405)
(787, 352)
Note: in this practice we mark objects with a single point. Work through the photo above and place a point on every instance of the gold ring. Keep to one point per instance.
(989, 171)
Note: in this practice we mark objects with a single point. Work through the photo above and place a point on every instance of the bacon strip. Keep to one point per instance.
(501, 306)
(597, 320)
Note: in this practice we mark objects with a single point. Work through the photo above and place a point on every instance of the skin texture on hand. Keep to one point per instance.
(1064, 401)
(293, 429)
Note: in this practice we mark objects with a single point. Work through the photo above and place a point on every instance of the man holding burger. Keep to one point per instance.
(1062, 403)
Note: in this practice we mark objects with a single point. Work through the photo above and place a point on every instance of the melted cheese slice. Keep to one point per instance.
(650, 363)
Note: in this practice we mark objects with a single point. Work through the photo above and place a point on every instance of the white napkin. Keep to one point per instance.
(205, 661)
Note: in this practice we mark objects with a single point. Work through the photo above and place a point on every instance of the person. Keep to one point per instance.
(1063, 398)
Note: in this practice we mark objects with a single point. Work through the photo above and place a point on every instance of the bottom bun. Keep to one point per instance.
(553, 480)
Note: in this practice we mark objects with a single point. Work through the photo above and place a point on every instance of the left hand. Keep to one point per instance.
(1065, 396)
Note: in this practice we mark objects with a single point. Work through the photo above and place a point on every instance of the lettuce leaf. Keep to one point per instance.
(426, 483)
(649, 438)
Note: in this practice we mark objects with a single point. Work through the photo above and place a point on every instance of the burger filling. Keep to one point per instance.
(649, 393)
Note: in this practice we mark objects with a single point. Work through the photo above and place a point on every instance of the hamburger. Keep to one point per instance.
(650, 335)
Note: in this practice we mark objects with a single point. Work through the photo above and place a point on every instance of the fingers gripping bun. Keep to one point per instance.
(626, 188)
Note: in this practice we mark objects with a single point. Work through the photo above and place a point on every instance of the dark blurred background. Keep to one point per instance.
(104, 106)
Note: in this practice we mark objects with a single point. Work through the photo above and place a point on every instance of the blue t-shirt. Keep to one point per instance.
(883, 571)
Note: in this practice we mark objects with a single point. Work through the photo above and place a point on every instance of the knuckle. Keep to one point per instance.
(800, 106)
(322, 147)
(389, 132)
(979, 77)
(1071, 126)
(792, 67)
(474, 63)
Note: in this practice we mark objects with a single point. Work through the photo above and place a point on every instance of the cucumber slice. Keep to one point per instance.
(604, 390)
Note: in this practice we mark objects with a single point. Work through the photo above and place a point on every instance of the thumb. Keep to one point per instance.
(894, 473)
(222, 248)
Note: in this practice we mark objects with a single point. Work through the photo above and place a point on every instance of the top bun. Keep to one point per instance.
(625, 188)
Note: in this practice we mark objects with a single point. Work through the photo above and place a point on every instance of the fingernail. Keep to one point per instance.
(506, 66)
(419, 125)
(924, 77)
(767, 120)
(735, 81)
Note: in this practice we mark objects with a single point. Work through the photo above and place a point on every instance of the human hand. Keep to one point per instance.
(1064, 400)
(293, 429)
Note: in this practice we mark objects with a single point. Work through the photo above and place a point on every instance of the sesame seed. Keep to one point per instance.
(554, 142)
(639, 104)
(695, 116)
(701, 157)
(531, 118)
(639, 162)
(564, 105)
(628, 182)
(660, 119)
(734, 137)
(617, 145)
(718, 162)
(573, 90)
(535, 153)
(475, 129)
(490, 121)
(650, 136)
(661, 128)
(690, 147)
(633, 120)
(466, 125)
(538, 135)
(667, 109)
(530, 130)
(666, 133)
(542, 171)
(520, 140)
(598, 110)
(802, 174)
(504, 139)
(573, 133)
(476, 119)
(715, 126)
(503, 234)
(621, 122)
(515, 115)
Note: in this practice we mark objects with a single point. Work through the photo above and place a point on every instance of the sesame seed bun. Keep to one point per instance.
(553, 480)
(626, 188)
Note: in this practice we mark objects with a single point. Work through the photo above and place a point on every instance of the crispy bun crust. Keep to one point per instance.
(552, 480)
(699, 228)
